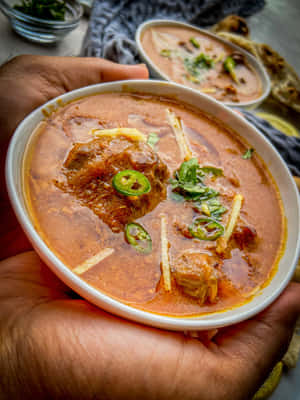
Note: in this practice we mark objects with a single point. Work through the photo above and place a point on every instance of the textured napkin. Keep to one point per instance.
(113, 22)
(287, 146)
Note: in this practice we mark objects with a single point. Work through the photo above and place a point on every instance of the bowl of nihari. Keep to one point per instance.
(156, 203)
(199, 59)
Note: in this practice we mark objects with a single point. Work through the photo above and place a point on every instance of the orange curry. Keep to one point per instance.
(154, 203)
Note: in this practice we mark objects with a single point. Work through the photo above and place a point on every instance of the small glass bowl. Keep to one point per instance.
(42, 30)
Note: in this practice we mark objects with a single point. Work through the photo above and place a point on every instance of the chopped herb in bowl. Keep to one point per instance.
(44, 9)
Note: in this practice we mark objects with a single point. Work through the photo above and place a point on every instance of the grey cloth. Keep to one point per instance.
(113, 23)
(287, 146)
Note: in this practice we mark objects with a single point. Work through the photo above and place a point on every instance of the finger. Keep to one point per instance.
(259, 343)
(279, 318)
(26, 276)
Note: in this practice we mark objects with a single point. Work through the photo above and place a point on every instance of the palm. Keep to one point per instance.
(82, 342)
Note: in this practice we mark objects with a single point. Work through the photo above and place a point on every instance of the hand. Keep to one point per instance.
(54, 346)
(27, 82)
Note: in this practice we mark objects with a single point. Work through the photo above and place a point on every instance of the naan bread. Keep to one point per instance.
(285, 81)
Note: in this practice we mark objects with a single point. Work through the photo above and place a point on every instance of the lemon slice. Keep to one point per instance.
(270, 384)
(279, 124)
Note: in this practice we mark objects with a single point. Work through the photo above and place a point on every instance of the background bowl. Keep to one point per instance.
(42, 30)
(252, 61)
(287, 187)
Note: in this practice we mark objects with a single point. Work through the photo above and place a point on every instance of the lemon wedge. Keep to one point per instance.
(270, 384)
(279, 123)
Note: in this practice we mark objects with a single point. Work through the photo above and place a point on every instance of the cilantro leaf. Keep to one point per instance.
(248, 154)
(212, 170)
(44, 9)
(153, 138)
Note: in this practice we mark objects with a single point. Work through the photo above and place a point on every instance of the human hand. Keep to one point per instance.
(54, 346)
(27, 82)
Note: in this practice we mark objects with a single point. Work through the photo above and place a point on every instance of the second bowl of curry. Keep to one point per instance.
(201, 60)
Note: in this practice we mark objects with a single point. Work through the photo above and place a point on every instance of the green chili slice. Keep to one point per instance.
(195, 42)
(165, 53)
(205, 228)
(229, 66)
(131, 183)
(138, 237)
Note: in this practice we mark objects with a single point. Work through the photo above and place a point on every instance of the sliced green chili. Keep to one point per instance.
(165, 53)
(138, 237)
(195, 42)
(229, 66)
(205, 228)
(131, 183)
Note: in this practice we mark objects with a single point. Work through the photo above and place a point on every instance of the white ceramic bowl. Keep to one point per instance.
(208, 105)
(252, 61)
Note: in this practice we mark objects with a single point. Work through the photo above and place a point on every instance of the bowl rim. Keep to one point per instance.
(10, 12)
(263, 76)
(88, 292)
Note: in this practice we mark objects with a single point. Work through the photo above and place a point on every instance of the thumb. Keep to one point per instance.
(269, 329)
(76, 72)
(262, 341)
(41, 78)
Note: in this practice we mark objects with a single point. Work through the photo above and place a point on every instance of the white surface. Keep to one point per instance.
(208, 105)
(252, 61)
(11, 44)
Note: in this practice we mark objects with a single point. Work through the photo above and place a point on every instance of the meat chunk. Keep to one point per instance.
(90, 168)
(244, 236)
(183, 229)
(195, 273)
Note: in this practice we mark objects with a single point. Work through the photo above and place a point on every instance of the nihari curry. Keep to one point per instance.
(202, 62)
(153, 203)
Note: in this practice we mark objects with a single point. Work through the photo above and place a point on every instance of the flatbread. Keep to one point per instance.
(291, 357)
(285, 83)
(232, 24)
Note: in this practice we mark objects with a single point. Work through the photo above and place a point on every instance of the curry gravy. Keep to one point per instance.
(74, 233)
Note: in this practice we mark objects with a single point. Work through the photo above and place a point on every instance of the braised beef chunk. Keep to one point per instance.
(90, 168)
(244, 236)
(195, 273)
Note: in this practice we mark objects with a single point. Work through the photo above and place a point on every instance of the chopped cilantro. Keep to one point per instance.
(153, 138)
(248, 154)
(44, 9)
